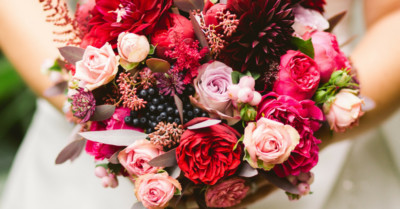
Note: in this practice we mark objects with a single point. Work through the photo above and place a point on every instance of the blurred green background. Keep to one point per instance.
(17, 105)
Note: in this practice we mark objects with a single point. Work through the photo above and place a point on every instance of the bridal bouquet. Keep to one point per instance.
(198, 100)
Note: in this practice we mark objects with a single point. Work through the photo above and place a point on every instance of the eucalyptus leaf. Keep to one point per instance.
(56, 90)
(204, 124)
(71, 151)
(114, 137)
(179, 106)
(304, 46)
(188, 5)
(158, 65)
(114, 158)
(138, 205)
(282, 183)
(167, 159)
(174, 172)
(333, 21)
(102, 112)
(247, 171)
(72, 54)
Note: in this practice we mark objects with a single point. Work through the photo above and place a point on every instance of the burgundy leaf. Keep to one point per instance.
(138, 205)
(198, 31)
(247, 171)
(167, 159)
(179, 106)
(114, 137)
(282, 183)
(72, 54)
(158, 65)
(204, 124)
(71, 151)
(56, 90)
(333, 21)
(102, 112)
(188, 5)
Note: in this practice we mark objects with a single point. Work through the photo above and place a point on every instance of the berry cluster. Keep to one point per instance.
(160, 108)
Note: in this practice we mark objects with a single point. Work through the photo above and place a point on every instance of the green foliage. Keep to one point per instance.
(304, 46)
(236, 76)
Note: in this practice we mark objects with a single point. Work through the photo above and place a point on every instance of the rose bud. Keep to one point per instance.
(247, 81)
(100, 171)
(269, 141)
(226, 193)
(109, 181)
(345, 111)
(256, 99)
(132, 48)
(298, 76)
(233, 91)
(308, 20)
(303, 188)
(328, 56)
(245, 95)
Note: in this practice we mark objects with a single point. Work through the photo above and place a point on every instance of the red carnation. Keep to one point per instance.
(305, 117)
(206, 155)
(314, 4)
(112, 17)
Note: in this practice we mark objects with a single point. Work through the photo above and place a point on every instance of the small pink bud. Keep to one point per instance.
(100, 172)
(304, 188)
(233, 91)
(106, 181)
(256, 99)
(247, 81)
(245, 95)
(304, 177)
(113, 181)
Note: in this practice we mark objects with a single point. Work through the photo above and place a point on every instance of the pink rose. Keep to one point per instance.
(133, 48)
(345, 111)
(327, 54)
(298, 76)
(164, 38)
(308, 20)
(135, 157)
(269, 141)
(97, 67)
(212, 85)
(226, 193)
(156, 190)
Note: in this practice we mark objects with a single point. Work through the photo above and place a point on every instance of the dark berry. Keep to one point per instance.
(134, 114)
(152, 108)
(128, 119)
(147, 114)
(143, 93)
(135, 121)
(153, 124)
(149, 130)
(190, 114)
(143, 120)
(162, 98)
(158, 119)
(155, 101)
(151, 91)
(176, 112)
(184, 112)
(187, 106)
(163, 115)
(185, 120)
(152, 117)
(204, 114)
(170, 110)
(160, 108)
(177, 120)
(189, 90)
(170, 119)
(196, 111)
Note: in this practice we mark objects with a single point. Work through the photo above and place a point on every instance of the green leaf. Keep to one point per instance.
(236, 77)
(128, 65)
(237, 143)
(178, 192)
(255, 75)
(152, 49)
(114, 168)
(158, 65)
(304, 46)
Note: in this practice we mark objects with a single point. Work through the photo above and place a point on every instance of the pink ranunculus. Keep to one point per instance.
(226, 193)
(308, 20)
(156, 190)
(212, 85)
(306, 118)
(97, 67)
(269, 141)
(345, 111)
(162, 39)
(298, 76)
(100, 150)
(133, 48)
(328, 56)
(135, 157)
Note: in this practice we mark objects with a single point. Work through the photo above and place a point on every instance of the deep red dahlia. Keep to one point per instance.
(111, 17)
(206, 155)
(314, 4)
(262, 36)
(305, 117)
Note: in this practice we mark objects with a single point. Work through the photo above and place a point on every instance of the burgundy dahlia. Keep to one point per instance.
(262, 36)
(314, 4)
(112, 17)
(305, 117)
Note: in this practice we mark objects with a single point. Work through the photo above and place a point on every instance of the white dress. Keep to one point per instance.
(362, 173)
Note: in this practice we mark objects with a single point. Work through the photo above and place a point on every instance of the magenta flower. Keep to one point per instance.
(83, 104)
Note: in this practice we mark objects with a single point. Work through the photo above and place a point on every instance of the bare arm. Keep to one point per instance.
(26, 40)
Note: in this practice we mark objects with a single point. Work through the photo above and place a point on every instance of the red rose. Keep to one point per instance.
(206, 155)
(298, 76)
(112, 17)
(305, 117)
(100, 150)
(163, 38)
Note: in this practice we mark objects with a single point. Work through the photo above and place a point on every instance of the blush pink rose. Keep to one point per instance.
(226, 193)
(308, 20)
(97, 67)
(328, 56)
(212, 85)
(345, 111)
(298, 76)
(133, 48)
(135, 157)
(156, 190)
(269, 141)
